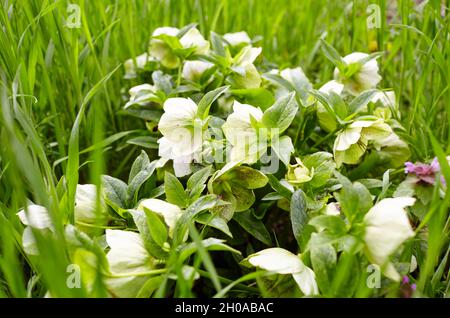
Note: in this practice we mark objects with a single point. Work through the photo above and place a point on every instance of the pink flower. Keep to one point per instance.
(425, 172)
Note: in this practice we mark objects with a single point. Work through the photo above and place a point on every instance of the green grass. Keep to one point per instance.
(61, 93)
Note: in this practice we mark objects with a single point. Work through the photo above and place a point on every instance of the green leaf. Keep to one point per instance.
(279, 188)
(214, 221)
(299, 217)
(260, 97)
(149, 287)
(355, 200)
(323, 259)
(162, 82)
(332, 223)
(115, 191)
(209, 244)
(323, 165)
(175, 193)
(333, 55)
(361, 100)
(144, 141)
(139, 180)
(280, 115)
(247, 177)
(253, 226)
(217, 44)
(185, 30)
(205, 103)
(156, 226)
(140, 219)
(142, 113)
(196, 183)
(138, 165)
(244, 197)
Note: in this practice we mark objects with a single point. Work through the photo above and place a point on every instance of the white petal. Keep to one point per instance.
(248, 56)
(346, 138)
(165, 30)
(237, 38)
(178, 113)
(387, 227)
(386, 98)
(332, 86)
(128, 253)
(36, 217)
(306, 280)
(85, 204)
(194, 38)
(277, 260)
(29, 242)
(170, 212)
(193, 70)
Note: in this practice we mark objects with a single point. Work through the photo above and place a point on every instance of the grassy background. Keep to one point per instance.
(61, 91)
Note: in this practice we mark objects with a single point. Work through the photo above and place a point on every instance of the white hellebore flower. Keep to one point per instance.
(193, 70)
(132, 65)
(141, 95)
(234, 39)
(387, 227)
(169, 212)
(387, 98)
(245, 74)
(163, 53)
(281, 261)
(38, 218)
(241, 134)
(182, 134)
(126, 257)
(351, 142)
(86, 206)
(366, 76)
(326, 121)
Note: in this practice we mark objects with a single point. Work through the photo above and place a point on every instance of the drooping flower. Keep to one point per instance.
(127, 256)
(85, 211)
(386, 228)
(237, 38)
(193, 70)
(326, 121)
(38, 218)
(298, 173)
(281, 261)
(162, 52)
(141, 95)
(132, 65)
(351, 142)
(241, 134)
(169, 212)
(365, 74)
(245, 74)
(182, 134)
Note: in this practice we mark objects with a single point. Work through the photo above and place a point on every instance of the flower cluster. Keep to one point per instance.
(239, 144)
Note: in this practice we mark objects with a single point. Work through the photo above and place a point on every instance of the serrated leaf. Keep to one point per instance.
(175, 193)
(115, 191)
(205, 103)
(280, 115)
(214, 221)
(299, 217)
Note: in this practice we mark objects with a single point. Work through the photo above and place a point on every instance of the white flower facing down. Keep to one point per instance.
(132, 65)
(365, 78)
(237, 38)
(245, 73)
(351, 142)
(281, 261)
(169, 212)
(163, 53)
(387, 227)
(193, 70)
(141, 95)
(241, 134)
(85, 211)
(126, 257)
(36, 217)
(182, 134)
